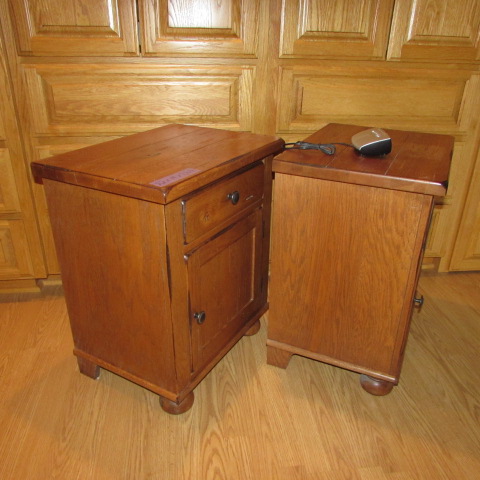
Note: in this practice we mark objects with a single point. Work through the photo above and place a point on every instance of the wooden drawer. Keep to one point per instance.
(215, 204)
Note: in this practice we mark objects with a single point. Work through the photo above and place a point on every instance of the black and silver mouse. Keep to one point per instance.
(372, 142)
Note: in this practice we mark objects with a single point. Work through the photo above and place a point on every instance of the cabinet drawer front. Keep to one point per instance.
(212, 206)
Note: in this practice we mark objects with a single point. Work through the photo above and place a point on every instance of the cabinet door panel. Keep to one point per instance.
(312, 97)
(21, 254)
(101, 99)
(347, 28)
(225, 284)
(8, 191)
(75, 27)
(15, 259)
(466, 250)
(193, 27)
(436, 30)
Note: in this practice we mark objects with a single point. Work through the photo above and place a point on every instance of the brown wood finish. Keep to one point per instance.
(159, 285)
(348, 234)
(106, 28)
(310, 30)
(249, 420)
(84, 71)
(21, 255)
(437, 30)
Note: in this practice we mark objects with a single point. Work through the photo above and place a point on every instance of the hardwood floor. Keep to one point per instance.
(249, 420)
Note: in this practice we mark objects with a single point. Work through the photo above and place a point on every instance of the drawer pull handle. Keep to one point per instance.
(234, 197)
(418, 301)
(200, 317)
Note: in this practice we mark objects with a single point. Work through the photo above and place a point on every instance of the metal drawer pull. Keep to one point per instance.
(200, 317)
(234, 197)
(418, 301)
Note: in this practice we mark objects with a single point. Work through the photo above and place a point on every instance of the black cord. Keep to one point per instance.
(327, 148)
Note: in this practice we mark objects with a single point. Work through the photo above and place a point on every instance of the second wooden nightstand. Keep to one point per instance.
(347, 239)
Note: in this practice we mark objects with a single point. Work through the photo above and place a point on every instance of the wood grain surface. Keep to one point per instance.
(249, 420)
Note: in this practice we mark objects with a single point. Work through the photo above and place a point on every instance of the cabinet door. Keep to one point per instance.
(193, 27)
(15, 259)
(436, 30)
(75, 27)
(466, 250)
(346, 28)
(8, 191)
(225, 287)
(20, 250)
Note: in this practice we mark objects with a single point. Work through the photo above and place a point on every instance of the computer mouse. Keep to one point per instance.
(372, 142)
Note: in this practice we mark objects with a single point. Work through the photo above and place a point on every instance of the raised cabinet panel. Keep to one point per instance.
(466, 251)
(441, 221)
(341, 29)
(99, 99)
(8, 192)
(21, 254)
(75, 27)
(436, 30)
(199, 27)
(14, 250)
(312, 97)
(9, 201)
(225, 305)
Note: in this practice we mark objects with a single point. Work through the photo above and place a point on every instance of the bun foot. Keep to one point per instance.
(375, 386)
(253, 329)
(175, 408)
(88, 368)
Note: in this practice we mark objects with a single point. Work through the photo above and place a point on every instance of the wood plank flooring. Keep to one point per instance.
(249, 420)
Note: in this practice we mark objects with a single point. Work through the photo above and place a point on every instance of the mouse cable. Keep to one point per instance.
(327, 148)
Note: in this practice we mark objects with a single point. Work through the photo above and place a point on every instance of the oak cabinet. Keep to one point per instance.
(431, 30)
(190, 28)
(77, 27)
(466, 251)
(437, 31)
(163, 242)
(415, 68)
(344, 29)
(84, 71)
(112, 28)
(21, 259)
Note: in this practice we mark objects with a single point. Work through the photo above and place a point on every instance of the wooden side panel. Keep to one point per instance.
(341, 29)
(436, 30)
(75, 27)
(349, 291)
(199, 27)
(104, 100)
(116, 283)
(47, 147)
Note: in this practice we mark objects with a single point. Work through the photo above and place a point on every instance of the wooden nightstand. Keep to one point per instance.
(163, 241)
(348, 234)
